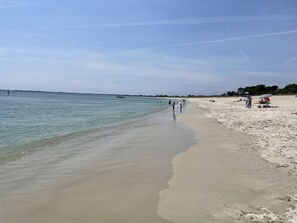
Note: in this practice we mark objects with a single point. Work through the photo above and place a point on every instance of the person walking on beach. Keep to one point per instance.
(173, 106)
(180, 107)
(248, 100)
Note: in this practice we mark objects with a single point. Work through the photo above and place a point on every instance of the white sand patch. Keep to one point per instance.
(274, 129)
(263, 215)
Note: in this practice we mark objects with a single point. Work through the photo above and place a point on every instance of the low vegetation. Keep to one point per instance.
(263, 89)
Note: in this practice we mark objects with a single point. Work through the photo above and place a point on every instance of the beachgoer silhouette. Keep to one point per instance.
(173, 106)
(180, 107)
(248, 100)
(249, 97)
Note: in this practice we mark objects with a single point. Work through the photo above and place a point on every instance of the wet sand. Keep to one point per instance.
(222, 178)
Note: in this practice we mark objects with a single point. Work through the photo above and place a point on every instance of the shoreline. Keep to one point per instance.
(222, 178)
(116, 178)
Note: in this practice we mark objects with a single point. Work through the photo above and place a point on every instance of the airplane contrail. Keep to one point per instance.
(247, 60)
(241, 50)
(181, 21)
(228, 30)
(226, 39)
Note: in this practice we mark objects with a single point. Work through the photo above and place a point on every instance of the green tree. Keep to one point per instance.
(240, 91)
(289, 89)
(272, 89)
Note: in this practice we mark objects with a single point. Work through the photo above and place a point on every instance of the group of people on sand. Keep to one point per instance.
(174, 105)
(264, 102)
(247, 98)
(248, 101)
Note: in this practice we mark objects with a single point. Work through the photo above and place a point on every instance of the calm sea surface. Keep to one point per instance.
(32, 121)
(55, 143)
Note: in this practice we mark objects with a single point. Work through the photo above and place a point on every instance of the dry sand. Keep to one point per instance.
(274, 129)
(225, 176)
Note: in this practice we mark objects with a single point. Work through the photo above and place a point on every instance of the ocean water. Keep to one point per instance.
(53, 144)
(33, 121)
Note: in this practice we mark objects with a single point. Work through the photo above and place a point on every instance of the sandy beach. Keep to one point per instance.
(274, 130)
(243, 167)
(217, 162)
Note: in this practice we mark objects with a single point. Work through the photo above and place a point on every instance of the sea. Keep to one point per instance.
(33, 121)
(55, 143)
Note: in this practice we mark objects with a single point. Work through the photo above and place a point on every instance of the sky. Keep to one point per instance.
(147, 46)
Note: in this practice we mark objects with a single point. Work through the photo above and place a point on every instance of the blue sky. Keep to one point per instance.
(147, 46)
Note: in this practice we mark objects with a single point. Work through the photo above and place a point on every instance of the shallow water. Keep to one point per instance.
(68, 157)
(127, 166)
(32, 121)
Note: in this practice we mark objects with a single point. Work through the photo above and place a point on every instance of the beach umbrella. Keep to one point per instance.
(265, 96)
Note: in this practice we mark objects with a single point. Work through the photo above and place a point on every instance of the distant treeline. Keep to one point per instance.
(263, 89)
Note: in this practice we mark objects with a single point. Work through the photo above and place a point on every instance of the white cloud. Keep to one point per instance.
(6, 4)
(99, 72)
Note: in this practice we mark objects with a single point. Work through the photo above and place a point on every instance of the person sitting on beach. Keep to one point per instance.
(238, 100)
(266, 100)
(261, 101)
